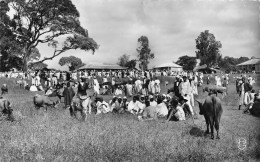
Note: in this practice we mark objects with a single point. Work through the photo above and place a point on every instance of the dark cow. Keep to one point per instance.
(43, 101)
(212, 111)
(216, 90)
(5, 108)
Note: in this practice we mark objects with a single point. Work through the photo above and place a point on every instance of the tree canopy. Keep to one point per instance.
(144, 52)
(43, 21)
(122, 60)
(72, 62)
(187, 62)
(208, 49)
(125, 61)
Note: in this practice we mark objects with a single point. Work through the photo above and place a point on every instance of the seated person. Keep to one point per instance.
(124, 105)
(102, 106)
(152, 101)
(162, 109)
(176, 112)
(149, 113)
(135, 105)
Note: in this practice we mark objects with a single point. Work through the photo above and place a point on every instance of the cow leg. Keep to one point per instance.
(217, 127)
(207, 123)
(71, 111)
(211, 123)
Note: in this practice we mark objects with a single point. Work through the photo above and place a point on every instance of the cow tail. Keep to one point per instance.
(214, 107)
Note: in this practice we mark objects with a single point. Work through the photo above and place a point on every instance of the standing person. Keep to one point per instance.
(82, 94)
(184, 86)
(157, 85)
(176, 86)
(208, 79)
(241, 93)
(68, 94)
(96, 85)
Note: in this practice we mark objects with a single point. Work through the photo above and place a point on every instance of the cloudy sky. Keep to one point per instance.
(170, 25)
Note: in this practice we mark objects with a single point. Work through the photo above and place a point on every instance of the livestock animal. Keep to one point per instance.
(5, 108)
(78, 104)
(57, 93)
(43, 101)
(216, 90)
(4, 89)
(212, 111)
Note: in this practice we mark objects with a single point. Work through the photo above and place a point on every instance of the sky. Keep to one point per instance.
(170, 25)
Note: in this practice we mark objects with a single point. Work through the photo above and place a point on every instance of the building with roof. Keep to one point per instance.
(101, 66)
(168, 66)
(250, 65)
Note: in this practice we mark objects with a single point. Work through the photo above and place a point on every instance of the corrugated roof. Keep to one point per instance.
(102, 66)
(250, 62)
(170, 64)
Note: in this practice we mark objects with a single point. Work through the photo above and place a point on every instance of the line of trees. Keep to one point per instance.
(208, 51)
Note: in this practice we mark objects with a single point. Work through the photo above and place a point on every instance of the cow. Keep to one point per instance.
(5, 108)
(43, 101)
(212, 111)
(216, 90)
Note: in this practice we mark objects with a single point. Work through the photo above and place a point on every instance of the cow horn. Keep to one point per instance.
(197, 101)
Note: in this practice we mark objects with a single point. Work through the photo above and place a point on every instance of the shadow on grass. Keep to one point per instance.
(196, 132)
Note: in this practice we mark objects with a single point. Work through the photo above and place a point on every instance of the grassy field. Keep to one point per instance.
(55, 136)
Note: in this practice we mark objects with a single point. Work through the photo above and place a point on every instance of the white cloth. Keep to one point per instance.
(180, 113)
(135, 106)
(33, 88)
(154, 103)
(102, 107)
(96, 86)
(162, 109)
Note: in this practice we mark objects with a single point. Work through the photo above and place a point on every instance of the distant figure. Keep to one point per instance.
(4, 89)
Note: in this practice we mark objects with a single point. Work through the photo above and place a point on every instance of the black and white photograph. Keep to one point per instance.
(129, 80)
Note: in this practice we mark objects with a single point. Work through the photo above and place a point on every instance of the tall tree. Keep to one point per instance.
(208, 49)
(43, 21)
(144, 52)
(187, 62)
(122, 60)
(72, 62)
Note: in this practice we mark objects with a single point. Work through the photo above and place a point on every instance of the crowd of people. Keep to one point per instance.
(144, 87)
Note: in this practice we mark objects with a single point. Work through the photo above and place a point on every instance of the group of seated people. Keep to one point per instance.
(147, 107)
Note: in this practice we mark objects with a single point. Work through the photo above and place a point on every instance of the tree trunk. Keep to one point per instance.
(25, 65)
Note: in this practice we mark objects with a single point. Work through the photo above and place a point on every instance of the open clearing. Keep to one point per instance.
(55, 136)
